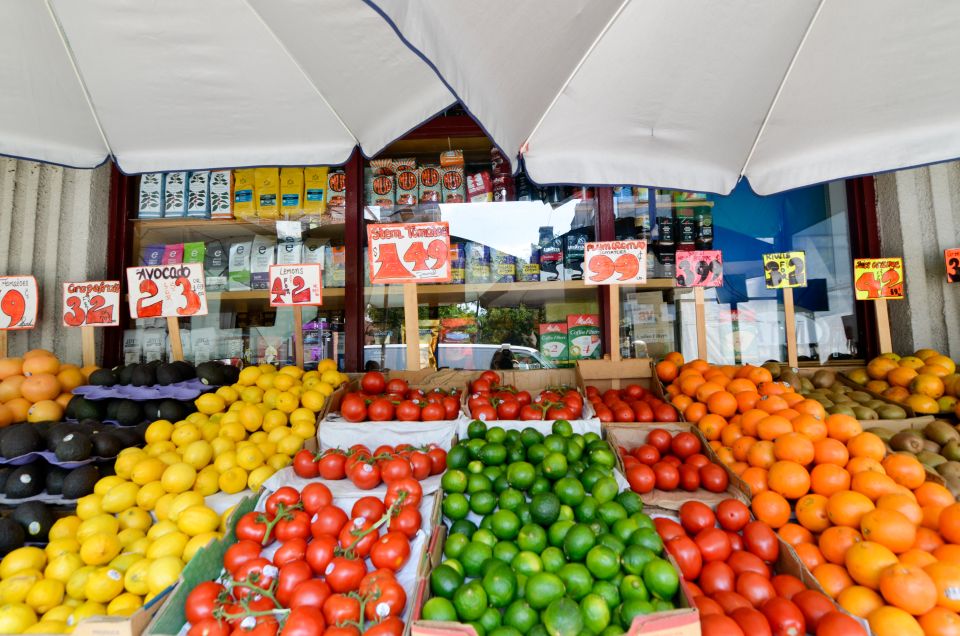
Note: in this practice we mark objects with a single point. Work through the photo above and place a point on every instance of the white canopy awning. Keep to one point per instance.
(182, 84)
(694, 94)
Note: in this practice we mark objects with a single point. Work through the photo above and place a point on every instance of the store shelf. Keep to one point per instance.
(188, 229)
(264, 295)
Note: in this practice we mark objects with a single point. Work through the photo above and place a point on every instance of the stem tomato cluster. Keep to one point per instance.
(304, 567)
(385, 464)
(667, 462)
(380, 400)
(489, 400)
(632, 403)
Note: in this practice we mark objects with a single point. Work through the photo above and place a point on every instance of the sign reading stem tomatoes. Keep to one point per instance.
(878, 278)
(296, 285)
(19, 297)
(615, 263)
(409, 252)
(702, 268)
(784, 270)
(94, 303)
(167, 291)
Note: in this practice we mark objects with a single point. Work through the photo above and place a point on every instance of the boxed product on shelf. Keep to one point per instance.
(335, 267)
(313, 252)
(289, 252)
(154, 343)
(477, 260)
(529, 271)
(430, 189)
(291, 190)
(151, 255)
(583, 336)
(480, 188)
(175, 194)
(314, 190)
(336, 196)
(151, 196)
(215, 266)
(503, 267)
(239, 267)
(261, 258)
(172, 254)
(408, 182)
(553, 342)
(380, 190)
(203, 344)
(198, 194)
(221, 201)
(574, 244)
(550, 255)
(454, 184)
(194, 252)
(266, 187)
(244, 205)
(132, 346)
(457, 264)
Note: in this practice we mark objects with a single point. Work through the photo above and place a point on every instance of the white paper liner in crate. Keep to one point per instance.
(544, 426)
(335, 432)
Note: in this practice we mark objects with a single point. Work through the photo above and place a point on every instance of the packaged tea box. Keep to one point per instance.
(239, 271)
(221, 201)
(198, 194)
(194, 252)
(262, 255)
(215, 266)
(151, 196)
(172, 254)
(175, 194)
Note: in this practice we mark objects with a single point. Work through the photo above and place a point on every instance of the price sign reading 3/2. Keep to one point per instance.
(409, 252)
(785, 269)
(615, 263)
(93, 303)
(878, 278)
(295, 285)
(18, 302)
(167, 291)
(703, 268)
(952, 259)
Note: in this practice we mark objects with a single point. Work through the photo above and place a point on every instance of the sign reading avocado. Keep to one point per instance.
(18, 302)
(167, 291)
(785, 269)
(878, 278)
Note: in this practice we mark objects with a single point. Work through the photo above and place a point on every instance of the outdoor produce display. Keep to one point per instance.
(633, 403)
(925, 381)
(668, 462)
(37, 387)
(489, 400)
(381, 401)
(368, 470)
(542, 538)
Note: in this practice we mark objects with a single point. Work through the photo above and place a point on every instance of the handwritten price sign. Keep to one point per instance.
(18, 302)
(615, 263)
(785, 269)
(94, 303)
(167, 291)
(702, 268)
(952, 258)
(878, 278)
(296, 285)
(409, 252)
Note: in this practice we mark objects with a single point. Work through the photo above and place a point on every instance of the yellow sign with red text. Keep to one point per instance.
(878, 278)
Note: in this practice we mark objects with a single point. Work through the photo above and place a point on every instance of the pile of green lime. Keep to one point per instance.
(559, 550)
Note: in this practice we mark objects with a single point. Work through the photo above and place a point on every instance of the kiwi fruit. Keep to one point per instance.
(940, 432)
(824, 379)
(910, 441)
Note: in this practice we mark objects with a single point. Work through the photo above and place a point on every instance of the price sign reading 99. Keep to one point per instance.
(94, 303)
(18, 302)
(167, 291)
(615, 263)
(409, 252)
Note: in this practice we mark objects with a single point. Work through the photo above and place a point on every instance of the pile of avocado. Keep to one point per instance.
(28, 522)
(128, 412)
(936, 445)
(165, 373)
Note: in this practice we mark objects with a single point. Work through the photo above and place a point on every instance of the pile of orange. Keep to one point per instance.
(882, 540)
(37, 387)
(926, 381)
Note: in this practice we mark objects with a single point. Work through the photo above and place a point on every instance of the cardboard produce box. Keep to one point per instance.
(607, 374)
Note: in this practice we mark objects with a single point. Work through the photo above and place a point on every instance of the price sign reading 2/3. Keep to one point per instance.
(296, 285)
(167, 291)
(785, 269)
(94, 303)
(878, 278)
(409, 252)
(615, 263)
(18, 302)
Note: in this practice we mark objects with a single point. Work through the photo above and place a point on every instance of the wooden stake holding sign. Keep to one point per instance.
(168, 291)
(615, 263)
(699, 269)
(19, 301)
(89, 305)
(879, 280)
(786, 270)
(407, 254)
(296, 286)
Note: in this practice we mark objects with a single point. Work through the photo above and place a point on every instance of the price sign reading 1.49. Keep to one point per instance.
(94, 303)
(878, 278)
(18, 302)
(295, 285)
(167, 291)
(409, 252)
(615, 263)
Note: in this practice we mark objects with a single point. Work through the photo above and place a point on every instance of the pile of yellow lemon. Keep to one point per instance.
(131, 538)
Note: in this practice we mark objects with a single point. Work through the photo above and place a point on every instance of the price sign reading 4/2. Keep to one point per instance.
(295, 285)
(409, 252)
(95, 303)
(18, 302)
(167, 291)
(703, 268)
(878, 278)
(785, 269)
(615, 263)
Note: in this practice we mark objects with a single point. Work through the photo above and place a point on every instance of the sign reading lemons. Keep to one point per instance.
(782, 270)
(878, 278)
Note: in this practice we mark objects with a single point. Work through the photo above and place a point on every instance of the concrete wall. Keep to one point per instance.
(919, 216)
(53, 224)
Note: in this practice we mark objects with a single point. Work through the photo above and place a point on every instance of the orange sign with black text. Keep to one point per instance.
(94, 303)
(167, 291)
(615, 263)
(409, 252)
(878, 278)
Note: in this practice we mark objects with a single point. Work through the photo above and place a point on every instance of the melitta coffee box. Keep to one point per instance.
(408, 182)
(172, 254)
(221, 201)
(215, 266)
(479, 188)
(335, 267)
(239, 268)
(244, 205)
(266, 188)
(336, 196)
(193, 252)
(583, 336)
(151, 196)
(553, 342)
(454, 188)
(291, 191)
(152, 255)
(262, 254)
(175, 194)
(198, 194)
(314, 190)
(430, 189)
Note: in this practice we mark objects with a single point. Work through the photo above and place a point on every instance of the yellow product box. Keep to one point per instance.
(243, 201)
(291, 191)
(315, 189)
(267, 192)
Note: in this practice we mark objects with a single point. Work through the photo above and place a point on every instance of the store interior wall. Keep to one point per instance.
(53, 225)
(919, 217)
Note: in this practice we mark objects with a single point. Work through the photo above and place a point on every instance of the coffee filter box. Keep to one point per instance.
(553, 342)
(583, 336)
